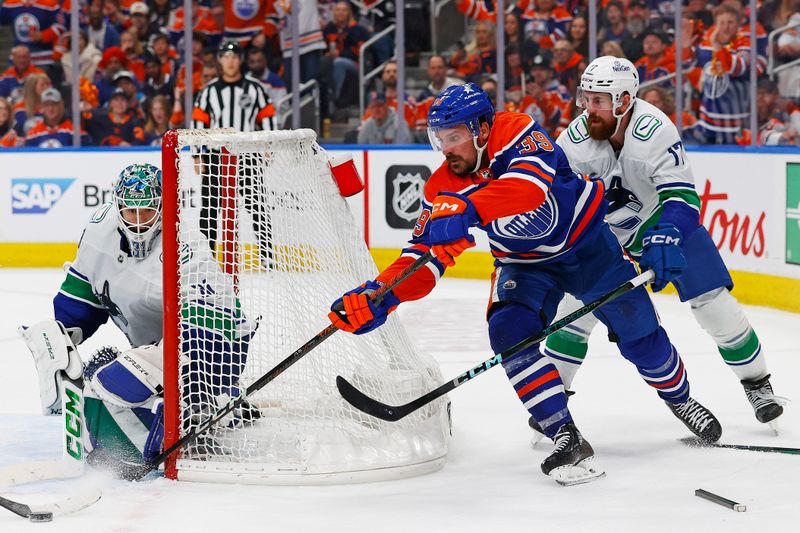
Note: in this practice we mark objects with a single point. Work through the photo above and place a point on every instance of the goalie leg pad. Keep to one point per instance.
(129, 379)
(53, 351)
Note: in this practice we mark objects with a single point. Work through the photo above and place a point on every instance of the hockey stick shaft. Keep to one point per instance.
(696, 443)
(141, 470)
(364, 403)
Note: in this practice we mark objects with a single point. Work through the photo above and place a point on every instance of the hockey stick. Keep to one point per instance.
(134, 472)
(22, 473)
(696, 443)
(393, 413)
(44, 512)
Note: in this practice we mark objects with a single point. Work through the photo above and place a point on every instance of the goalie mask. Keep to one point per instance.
(137, 197)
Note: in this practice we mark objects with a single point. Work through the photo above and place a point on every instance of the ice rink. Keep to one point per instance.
(491, 481)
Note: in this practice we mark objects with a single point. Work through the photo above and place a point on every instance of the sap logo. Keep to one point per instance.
(37, 195)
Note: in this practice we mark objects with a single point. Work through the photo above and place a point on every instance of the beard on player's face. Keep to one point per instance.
(460, 165)
(601, 127)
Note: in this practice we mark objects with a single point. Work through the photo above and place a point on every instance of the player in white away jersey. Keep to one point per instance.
(654, 212)
(118, 274)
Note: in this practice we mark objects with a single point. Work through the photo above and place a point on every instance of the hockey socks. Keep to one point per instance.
(745, 358)
(539, 388)
(567, 351)
(659, 365)
(534, 377)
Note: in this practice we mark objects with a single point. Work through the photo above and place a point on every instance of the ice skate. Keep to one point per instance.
(698, 419)
(538, 434)
(766, 405)
(572, 461)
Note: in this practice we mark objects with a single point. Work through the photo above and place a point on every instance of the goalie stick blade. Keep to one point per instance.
(15, 507)
(697, 443)
(44, 512)
(365, 404)
(22, 473)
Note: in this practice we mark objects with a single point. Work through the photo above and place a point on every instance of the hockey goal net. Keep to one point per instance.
(265, 211)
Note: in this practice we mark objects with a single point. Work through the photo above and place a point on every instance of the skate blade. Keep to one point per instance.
(582, 472)
(773, 424)
(536, 438)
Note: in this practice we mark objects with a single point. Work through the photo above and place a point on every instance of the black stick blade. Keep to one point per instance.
(364, 403)
(15, 507)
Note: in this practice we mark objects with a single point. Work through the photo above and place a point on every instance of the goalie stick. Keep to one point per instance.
(44, 512)
(136, 471)
(393, 413)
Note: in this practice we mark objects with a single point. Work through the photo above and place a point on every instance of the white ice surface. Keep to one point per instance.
(492, 480)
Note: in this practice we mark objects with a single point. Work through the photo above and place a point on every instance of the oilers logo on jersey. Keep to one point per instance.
(530, 225)
(245, 9)
(25, 25)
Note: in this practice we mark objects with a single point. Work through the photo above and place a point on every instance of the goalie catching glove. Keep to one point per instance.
(452, 216)
(662, 253)
(355, 312)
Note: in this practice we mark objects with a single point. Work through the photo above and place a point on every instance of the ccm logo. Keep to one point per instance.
(444, 206)
(661, 239)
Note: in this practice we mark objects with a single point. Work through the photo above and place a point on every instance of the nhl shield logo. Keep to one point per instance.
(407, 195)
(404, 194)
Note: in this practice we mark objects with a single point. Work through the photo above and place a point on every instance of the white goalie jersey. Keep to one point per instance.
(650, 170)
(104, 281)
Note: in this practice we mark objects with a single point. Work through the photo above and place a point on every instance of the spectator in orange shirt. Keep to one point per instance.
(658, 59)
(134, 52)
(479, 57)
(55, 130)
(389, 81)
(568, 65)
(13, 78)
(544, 21)
(165, 54)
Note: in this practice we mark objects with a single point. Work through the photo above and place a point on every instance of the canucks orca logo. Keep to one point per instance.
(618, 197)
(113, 309)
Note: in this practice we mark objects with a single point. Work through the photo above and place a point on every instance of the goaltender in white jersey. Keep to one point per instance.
(118, 274)
(654, 212)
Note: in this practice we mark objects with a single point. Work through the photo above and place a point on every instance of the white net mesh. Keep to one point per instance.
(286, 246)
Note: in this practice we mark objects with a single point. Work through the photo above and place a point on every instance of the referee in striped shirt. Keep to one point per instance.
(236, 101)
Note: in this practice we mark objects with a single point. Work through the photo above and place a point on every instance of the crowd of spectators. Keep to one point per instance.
(131, 69)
